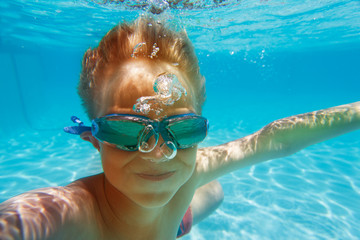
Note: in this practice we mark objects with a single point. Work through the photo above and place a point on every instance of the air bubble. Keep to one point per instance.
(168, 149)
(262, 54)
(158, 6)
(137, 49)
(167, 90)
(154, 51)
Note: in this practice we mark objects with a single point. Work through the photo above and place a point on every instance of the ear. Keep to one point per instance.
(87, 136)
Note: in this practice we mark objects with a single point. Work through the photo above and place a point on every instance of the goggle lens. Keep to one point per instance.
(118, 132)
(188, 132)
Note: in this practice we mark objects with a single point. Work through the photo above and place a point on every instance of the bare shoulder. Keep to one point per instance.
(50, 198)
(48, 212)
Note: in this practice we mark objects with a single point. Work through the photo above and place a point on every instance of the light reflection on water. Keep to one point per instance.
(313, 194)
(233, 26)
(36, 160)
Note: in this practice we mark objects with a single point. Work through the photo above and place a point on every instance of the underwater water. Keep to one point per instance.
(263, 60)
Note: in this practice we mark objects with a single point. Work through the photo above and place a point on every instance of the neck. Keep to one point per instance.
(121, 205)
(121, 215)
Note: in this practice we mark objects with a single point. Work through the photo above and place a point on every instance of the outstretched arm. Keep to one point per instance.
(277, 139)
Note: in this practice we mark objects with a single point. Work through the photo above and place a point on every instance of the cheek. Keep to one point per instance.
(188, 159)
(114, 161)
(120, 156)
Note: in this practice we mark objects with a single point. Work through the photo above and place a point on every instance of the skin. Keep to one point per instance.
(119, 202)
(134, 200)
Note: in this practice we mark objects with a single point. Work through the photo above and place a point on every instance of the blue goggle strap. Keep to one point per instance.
(77, 129)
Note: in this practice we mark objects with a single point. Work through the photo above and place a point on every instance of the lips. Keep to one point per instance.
(156, 176)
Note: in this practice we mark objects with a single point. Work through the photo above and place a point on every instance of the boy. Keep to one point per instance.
(143, 90)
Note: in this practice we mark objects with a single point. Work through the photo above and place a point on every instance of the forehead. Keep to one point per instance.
(135, 79)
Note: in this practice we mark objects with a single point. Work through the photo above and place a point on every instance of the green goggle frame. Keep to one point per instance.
(133, 132)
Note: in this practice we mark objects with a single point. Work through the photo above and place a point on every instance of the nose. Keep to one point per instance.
(155, 155)
(163, 151)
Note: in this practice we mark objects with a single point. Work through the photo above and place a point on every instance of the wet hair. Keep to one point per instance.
(117, 47)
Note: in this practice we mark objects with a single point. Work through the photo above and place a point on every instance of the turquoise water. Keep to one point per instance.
(263, 60)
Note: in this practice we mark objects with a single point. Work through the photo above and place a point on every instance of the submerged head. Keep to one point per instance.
(145, 40)
(139, 66)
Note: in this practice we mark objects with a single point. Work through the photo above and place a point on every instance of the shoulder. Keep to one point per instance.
(50, 198)
(47, 212)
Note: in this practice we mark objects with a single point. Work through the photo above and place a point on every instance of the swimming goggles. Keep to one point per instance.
(133, 132)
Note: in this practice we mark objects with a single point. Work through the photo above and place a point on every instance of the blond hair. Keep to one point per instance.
(118, 45)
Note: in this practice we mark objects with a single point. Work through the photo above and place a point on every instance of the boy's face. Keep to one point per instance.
(148, 179)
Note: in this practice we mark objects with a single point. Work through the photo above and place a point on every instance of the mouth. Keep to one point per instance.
(156, 176)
